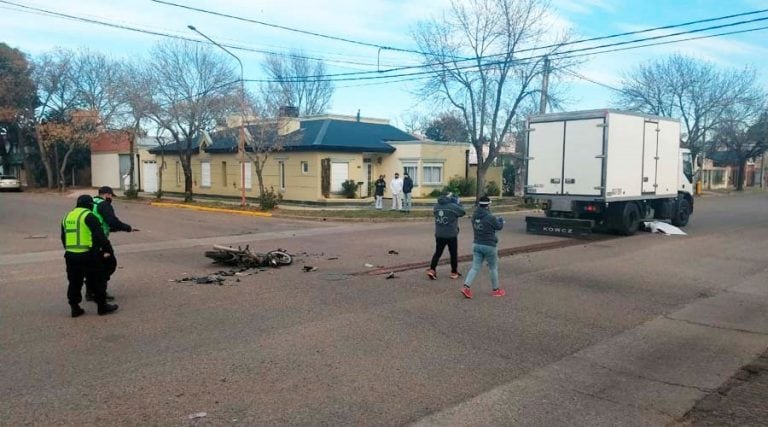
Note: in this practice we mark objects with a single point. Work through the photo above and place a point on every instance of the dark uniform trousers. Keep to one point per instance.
(86, 266)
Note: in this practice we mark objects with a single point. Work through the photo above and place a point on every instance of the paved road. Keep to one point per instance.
(630, 331)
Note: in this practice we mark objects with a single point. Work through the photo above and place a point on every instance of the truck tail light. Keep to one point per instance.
(590, 208)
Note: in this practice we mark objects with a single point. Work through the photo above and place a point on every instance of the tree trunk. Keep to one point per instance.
(160, 174)
(63, 167)
(131, 186)
(186, 164)
(480, 188)
(44, 157)
(742, 174)
(56, 166)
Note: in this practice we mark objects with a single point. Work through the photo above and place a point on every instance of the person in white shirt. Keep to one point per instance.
(396, 187)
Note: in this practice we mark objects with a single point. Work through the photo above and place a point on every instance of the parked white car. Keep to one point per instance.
(9, 182)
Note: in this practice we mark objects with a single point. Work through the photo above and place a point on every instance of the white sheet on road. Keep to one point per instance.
(658, 226)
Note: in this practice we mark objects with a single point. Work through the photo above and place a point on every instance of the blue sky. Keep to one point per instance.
(384, 22)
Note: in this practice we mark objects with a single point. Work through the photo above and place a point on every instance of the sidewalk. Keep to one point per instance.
(742, 400)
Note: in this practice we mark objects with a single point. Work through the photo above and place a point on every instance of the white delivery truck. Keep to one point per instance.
(607, 169)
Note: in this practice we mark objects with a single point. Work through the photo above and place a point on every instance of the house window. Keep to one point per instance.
(224, 181)
(205, 174)
(248, 175)
(433, 173)
(281, 169)
(305, 168)
(178, 173)
(412, 171)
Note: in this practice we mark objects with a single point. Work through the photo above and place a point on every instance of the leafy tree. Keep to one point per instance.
(447, 127)
(18, 99)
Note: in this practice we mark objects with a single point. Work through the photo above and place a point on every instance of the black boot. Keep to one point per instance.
(107, 308)
(77, 311)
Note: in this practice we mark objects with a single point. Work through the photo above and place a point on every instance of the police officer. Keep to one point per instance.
(83, 241)
(102, 208)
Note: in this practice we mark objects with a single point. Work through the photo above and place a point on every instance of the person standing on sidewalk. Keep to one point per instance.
(396, 187)
(485, 226)
(103, 210)
(407, 189)
(84, 241)
(447, 212)
(380, 185)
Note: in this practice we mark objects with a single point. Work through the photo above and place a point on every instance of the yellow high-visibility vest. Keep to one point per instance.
(77, 235)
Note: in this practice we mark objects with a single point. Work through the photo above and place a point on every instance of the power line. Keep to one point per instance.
(282, 27)
(44, 12)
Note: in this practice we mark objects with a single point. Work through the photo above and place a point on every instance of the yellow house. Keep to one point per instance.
(318, 155)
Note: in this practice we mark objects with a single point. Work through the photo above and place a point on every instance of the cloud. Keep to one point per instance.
(584, 7)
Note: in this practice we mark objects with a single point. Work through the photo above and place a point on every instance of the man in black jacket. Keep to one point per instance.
(447, 212)
(102, 208)
(407, 190)
(83, 241)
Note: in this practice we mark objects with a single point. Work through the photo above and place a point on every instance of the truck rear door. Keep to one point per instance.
(583, 160)
(650, 156)
(566, 157)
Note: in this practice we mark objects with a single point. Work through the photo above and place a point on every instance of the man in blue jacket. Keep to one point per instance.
(485, 226)
(447, 212)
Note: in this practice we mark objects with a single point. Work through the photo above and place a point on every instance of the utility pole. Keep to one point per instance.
(241, 145)
(544, 87)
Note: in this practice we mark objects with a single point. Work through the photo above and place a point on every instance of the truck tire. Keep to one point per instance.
(683, 214)
(625, 218)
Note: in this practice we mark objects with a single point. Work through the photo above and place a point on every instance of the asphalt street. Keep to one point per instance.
(617, 331)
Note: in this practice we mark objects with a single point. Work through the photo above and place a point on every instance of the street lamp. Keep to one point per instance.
(241, 145)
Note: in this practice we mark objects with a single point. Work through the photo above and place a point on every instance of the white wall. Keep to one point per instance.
(105, 170)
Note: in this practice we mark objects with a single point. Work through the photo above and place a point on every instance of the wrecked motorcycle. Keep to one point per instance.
(246, 258)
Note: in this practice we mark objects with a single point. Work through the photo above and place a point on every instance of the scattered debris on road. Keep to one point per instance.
(393, 252)
(391, 275)
(308, 268)
(197, 415)
(664, 228)
(369, 265)
(247, 258)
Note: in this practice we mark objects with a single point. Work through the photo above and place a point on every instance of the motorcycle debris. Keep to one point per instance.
(391, 275)
(393, 252)
(369, 265)
(308, 268)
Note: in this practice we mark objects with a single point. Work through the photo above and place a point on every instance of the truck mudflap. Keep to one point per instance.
(558, 226)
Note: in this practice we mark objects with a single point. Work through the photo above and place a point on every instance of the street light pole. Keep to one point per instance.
(241, 145)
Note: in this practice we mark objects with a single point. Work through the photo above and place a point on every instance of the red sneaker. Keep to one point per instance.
(455, 275)
(498, 293)
(466, 292)
(432, 274)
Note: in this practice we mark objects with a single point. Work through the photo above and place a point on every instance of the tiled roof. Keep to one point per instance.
(323, 135)
(173, 147)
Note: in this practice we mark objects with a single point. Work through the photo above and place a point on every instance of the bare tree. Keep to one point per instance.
(474, 55)
(743, 130)
(298, 82)
(687, 88)
(192, 88)
(135, 94)
(266, 137)
(57, 94)
(98, 82)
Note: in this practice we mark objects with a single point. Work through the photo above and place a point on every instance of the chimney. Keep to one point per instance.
(287, 120)
(288, 111)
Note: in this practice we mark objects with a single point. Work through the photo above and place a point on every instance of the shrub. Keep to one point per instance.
(509, 179)
(349, 189)
(435, 193)
(461, 186)
(131, 194)
(492, 188)
(269, 200)
(159, 194)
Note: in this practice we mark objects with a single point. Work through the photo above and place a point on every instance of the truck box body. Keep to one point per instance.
(606, 168)
(603, 155)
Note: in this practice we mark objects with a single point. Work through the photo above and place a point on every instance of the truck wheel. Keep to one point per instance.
(683, 214)
(626, 219)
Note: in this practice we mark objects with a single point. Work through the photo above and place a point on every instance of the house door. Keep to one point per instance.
(149, 173)
(339, 174)
(368, 168)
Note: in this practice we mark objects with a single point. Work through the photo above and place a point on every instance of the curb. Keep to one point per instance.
(206, 209)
